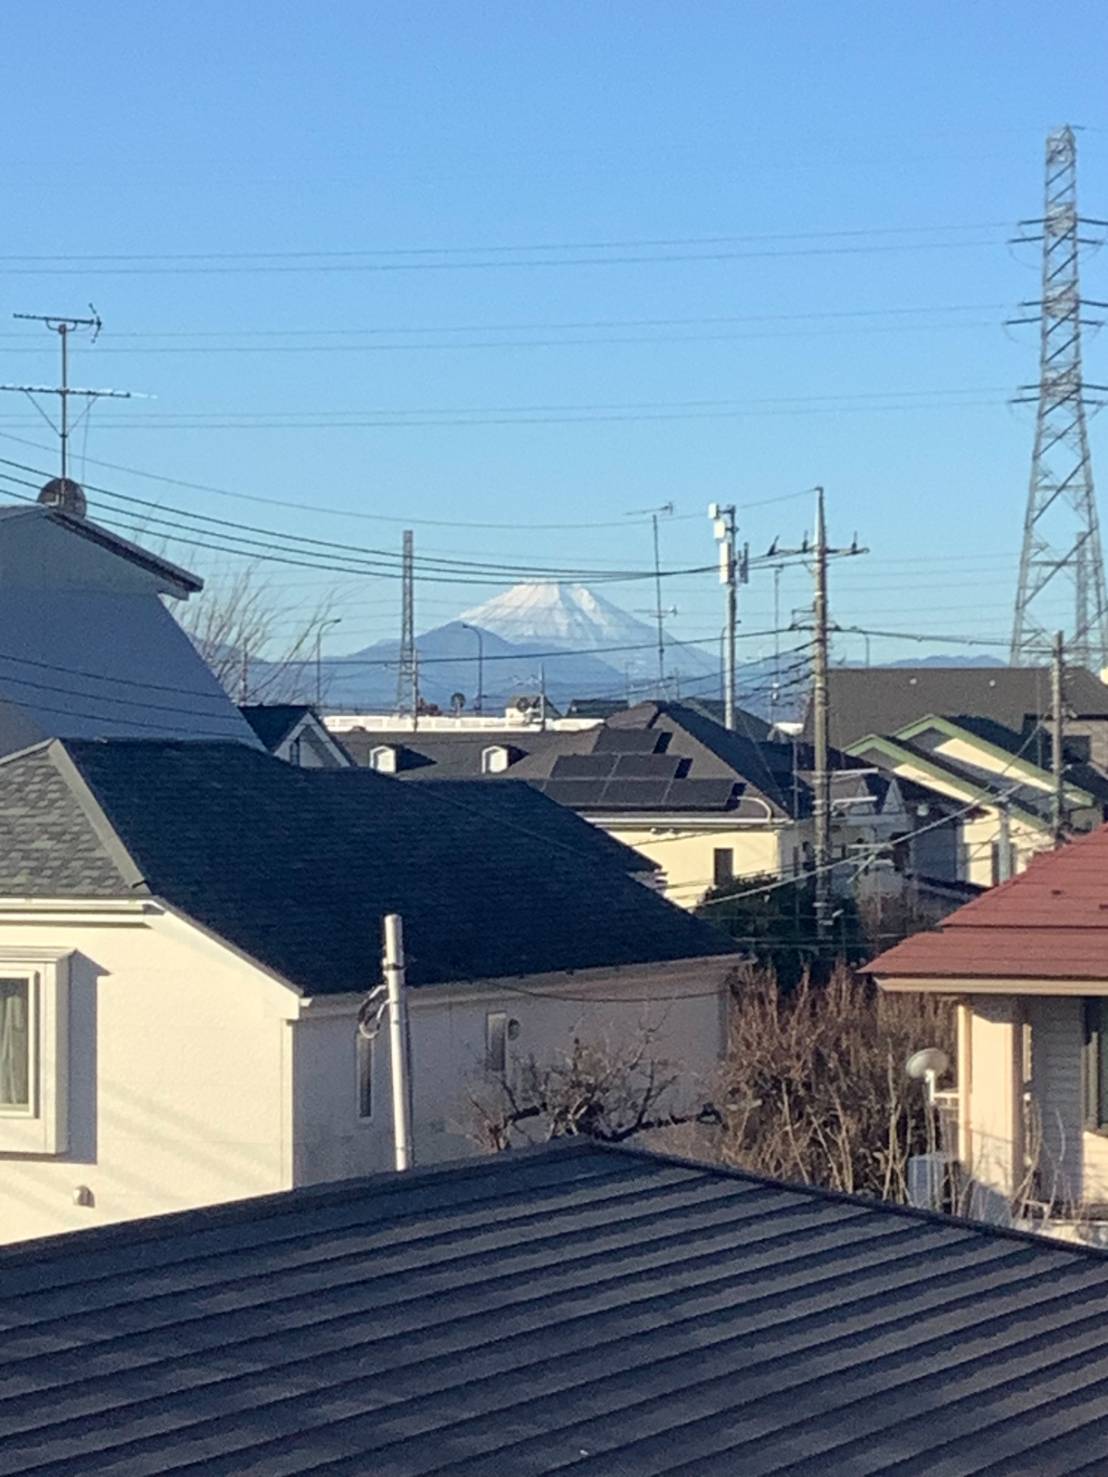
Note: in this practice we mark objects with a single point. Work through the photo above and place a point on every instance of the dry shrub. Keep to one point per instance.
(814, 1087)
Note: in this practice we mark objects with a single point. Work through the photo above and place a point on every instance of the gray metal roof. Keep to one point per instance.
(597, 1310)
(883, 700)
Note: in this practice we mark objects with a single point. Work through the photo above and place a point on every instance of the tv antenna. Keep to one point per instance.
(63, 327)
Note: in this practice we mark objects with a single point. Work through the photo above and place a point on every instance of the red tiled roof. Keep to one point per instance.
(1051, 922)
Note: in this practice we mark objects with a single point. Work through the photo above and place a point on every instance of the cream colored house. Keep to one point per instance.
(188, 930)
(1027, 965)
(987, 769)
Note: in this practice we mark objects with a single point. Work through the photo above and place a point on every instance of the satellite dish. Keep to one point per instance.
(65, 495)
(932, 1062)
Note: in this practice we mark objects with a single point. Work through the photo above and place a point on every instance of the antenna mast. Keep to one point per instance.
(64, 327)
(1061, 531)
(407, 678)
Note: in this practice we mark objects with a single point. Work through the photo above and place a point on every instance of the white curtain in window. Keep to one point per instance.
(14, 1043)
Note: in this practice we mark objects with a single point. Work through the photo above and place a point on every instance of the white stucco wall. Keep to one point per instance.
(195, 1077)
(684, 1017)
(176, 1072)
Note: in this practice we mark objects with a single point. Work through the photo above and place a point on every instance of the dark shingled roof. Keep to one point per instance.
(599, 1310)
(273, 722)
(440, 754)
(664, 756)
(883, 700)
(297, 867)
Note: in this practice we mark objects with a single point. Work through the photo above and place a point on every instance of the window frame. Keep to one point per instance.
(30, 978)
(43, 1126)
(718, 853)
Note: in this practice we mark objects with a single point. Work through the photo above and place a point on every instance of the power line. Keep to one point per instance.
(594, 341)
(487, 250)
(527, 326)
(326, 266)
(375, 517)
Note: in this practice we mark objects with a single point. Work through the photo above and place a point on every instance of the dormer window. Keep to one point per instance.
(495, 759)
(383, 759)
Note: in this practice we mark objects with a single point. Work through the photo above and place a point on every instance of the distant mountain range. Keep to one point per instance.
(566, 635)
(579, 643)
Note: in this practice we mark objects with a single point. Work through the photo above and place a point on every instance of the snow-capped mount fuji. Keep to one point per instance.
(560, 615)
(578, 619)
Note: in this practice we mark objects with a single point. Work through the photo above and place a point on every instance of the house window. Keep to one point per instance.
(16, 1074)
(723, 866)
(496, 1042)
(365, 1076)
(34, 1050)
(1096, 1062)
(294, 751)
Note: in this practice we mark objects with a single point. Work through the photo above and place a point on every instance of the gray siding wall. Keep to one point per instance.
(1057, 1035)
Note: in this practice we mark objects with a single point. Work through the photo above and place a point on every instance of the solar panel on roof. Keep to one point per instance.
(635, 794)
(646, 766)
(583, 766)
(711, 794)
(629, 741)
(575, 793)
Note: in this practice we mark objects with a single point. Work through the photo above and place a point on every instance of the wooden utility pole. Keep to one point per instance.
(1058, 740)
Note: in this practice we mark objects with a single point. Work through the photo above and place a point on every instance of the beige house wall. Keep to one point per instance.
(686, 855)
(1020, 1099)
(980, 832)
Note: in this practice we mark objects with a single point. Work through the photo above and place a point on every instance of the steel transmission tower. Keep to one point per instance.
(1061, 531)
(407, 676)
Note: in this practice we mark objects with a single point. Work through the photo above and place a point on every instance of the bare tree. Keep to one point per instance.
(595, 1089)
(814, 1087)
(236, 626)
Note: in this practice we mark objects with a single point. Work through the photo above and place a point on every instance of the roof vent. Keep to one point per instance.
(65, 495)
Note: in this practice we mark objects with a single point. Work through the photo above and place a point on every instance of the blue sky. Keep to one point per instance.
(863, 160)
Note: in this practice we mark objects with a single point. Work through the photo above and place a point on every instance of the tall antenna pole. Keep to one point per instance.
(658, 611)
(63, 327)
(1061, 531)
(1058, 739)
(821, 775)
(407, 677)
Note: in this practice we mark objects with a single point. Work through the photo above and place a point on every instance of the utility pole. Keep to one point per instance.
(731, 572)
(820, 554)
(479, 702)
(1061, 530)
(821, 778)
(1058, 739)
(63, 327)
(244, 676)
(335, 620)
(1004, 839)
